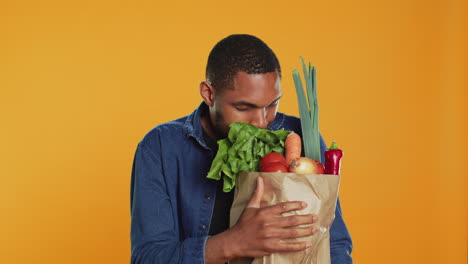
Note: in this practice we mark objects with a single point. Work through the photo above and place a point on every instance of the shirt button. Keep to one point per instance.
(202, 227)
(208, 196)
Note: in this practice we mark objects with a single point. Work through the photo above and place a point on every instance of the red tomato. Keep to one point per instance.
(272, 157)
(275, 167)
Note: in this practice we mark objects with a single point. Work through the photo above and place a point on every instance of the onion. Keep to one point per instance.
(305, 165)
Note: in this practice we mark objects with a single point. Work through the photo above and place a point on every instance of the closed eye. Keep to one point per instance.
(243, 106)
(240, 108)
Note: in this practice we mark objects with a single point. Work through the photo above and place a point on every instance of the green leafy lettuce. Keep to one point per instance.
(242, 150)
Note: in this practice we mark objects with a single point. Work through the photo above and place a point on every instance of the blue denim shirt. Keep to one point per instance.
(172, 200)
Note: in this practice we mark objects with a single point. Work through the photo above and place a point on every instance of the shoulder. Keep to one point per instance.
(164, 132)
(287, 122)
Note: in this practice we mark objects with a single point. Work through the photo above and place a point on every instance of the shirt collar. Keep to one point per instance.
(194, 128)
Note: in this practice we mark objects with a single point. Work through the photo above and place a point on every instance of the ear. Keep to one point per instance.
(208, 93)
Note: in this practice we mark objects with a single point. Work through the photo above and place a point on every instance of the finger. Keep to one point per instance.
(257, 195)
(287, 207)
(295, 220)
(296, 232)
(283, 246)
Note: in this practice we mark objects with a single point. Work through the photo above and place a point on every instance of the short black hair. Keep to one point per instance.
(239, 53)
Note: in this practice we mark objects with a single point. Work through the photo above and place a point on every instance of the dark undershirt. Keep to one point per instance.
(223, 202)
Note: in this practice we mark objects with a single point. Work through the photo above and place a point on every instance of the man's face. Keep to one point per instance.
(254, 100)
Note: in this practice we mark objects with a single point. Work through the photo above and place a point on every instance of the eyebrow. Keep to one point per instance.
(254, 105)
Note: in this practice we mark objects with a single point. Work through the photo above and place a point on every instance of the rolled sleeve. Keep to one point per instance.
(194, 250)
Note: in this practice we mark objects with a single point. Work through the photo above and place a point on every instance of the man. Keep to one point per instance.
(180, 216)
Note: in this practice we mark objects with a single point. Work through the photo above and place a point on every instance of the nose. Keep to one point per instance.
(260, 118)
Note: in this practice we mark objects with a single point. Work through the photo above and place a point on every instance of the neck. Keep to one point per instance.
(207, 125)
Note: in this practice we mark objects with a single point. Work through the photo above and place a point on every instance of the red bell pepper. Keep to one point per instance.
(333, 159)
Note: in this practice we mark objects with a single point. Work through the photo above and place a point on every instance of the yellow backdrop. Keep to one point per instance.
(81, 82)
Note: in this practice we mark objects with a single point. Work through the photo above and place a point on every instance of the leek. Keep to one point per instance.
(308, 110)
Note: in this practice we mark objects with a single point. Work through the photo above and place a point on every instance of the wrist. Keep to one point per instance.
(231, 244)
(220, 248)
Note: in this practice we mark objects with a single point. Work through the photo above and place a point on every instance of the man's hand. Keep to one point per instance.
(261, 231)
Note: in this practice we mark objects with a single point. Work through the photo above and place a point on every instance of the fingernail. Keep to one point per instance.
(315, 218)
(304, 204)
(308, 245)
(314, 230)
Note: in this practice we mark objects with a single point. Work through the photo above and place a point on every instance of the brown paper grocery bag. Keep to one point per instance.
(320, 192)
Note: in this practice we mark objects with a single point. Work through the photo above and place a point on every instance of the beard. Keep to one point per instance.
(219, 125)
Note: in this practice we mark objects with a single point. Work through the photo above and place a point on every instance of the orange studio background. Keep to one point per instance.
(81, 82)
